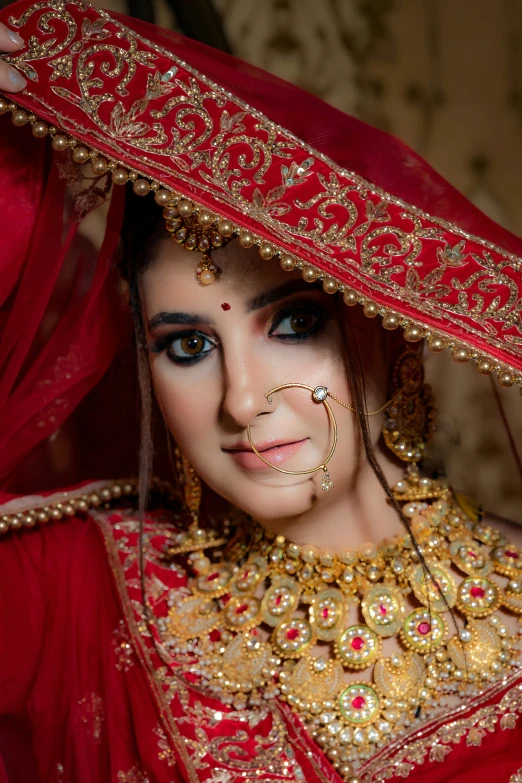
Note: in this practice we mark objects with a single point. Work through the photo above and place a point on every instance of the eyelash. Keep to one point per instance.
(165, 342)
(320, 314)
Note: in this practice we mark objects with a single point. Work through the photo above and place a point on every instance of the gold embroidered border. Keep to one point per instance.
(141, 649)
(473, 317)
(402, 757)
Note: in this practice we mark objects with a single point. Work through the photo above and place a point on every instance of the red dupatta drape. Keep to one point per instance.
(84, 694)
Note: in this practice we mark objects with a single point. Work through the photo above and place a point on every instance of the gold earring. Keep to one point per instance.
(410, 421)
(196, 539)
(190, 484)
(319, 395)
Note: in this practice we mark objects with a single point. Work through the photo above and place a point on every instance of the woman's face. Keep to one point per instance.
(216, 351)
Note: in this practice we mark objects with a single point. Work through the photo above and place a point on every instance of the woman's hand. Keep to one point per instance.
(10, 79)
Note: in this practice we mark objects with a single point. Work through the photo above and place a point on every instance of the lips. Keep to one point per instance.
(274, 451)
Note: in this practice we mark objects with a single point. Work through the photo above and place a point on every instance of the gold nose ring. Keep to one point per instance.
(319, 395)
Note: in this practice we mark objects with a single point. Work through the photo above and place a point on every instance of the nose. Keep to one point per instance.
(246, 383)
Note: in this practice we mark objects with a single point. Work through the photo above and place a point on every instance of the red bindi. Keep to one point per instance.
(225, 306)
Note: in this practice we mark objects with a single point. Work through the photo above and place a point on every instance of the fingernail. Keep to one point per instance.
(17, 80)
(15, 38)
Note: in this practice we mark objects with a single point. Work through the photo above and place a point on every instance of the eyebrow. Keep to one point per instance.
(188, 319)
(282, 291)
(258, 302)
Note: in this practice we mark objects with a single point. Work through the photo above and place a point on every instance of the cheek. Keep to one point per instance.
(325, 365)
(189, 415)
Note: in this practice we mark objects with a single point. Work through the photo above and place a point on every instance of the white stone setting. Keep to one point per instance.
(320, 393)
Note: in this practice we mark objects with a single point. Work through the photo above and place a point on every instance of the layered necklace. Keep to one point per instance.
(268, 618)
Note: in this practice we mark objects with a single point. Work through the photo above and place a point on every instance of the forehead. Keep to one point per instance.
(243, 274)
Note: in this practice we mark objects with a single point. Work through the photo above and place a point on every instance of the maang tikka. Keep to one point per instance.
(198, 230)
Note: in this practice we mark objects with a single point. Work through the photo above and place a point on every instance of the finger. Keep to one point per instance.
(9, 40)
(10, 79)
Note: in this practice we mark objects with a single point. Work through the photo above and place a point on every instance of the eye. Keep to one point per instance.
(297, 323)
(184, 347)
(188, 346)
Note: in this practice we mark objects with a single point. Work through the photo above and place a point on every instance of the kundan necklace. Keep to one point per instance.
(274, 619)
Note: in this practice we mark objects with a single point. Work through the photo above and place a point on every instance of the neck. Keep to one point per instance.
(348, 517)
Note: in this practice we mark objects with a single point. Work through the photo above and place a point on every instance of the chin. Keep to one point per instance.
(267, 503)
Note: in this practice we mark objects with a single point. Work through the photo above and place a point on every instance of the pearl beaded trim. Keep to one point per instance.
(69, 507)
(413, 331)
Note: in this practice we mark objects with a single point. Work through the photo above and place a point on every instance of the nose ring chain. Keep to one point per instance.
(320, 395)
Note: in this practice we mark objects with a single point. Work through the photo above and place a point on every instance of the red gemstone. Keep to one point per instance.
(211, 577)
(241, 609)
(358, 703)
(511, 554)
(424, 628)
(278, 600)
(325, 614)
(358, 643)
(477, 592)
(383, 610)
(472, 554)
(292, 634)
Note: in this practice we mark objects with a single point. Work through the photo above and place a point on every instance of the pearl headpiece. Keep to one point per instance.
(198, 230)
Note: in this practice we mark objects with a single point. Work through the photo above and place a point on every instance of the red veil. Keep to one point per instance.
(346, 203)
(353, 202)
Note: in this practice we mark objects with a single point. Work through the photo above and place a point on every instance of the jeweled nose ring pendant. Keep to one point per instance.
(319, 395)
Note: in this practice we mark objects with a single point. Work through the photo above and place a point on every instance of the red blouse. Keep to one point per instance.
(86, 698)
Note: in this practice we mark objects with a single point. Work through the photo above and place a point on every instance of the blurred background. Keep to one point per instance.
(445, 77)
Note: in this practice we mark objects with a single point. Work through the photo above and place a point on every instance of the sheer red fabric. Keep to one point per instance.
(61, 320)
(84, 695)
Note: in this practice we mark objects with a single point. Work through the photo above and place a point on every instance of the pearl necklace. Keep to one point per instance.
(252, 620)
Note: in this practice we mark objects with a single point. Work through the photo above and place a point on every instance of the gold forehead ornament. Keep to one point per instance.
(198, 230)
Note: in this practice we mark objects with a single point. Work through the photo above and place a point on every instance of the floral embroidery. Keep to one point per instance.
(195, 136)
(87, 191)
(517, 777)
(251, 742)
(229, 743)
(59, 773)
(134, 775)
(122, 648)
(402, 759)
(165, 752)
(91, 712)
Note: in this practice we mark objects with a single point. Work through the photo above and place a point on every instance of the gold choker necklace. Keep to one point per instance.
(274, 619)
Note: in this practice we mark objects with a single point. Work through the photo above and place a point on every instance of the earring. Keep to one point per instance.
(410, 421)
(190, 484)
(319, 395)
(196, 539)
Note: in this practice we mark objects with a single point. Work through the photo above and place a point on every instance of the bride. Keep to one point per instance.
(293, 599)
